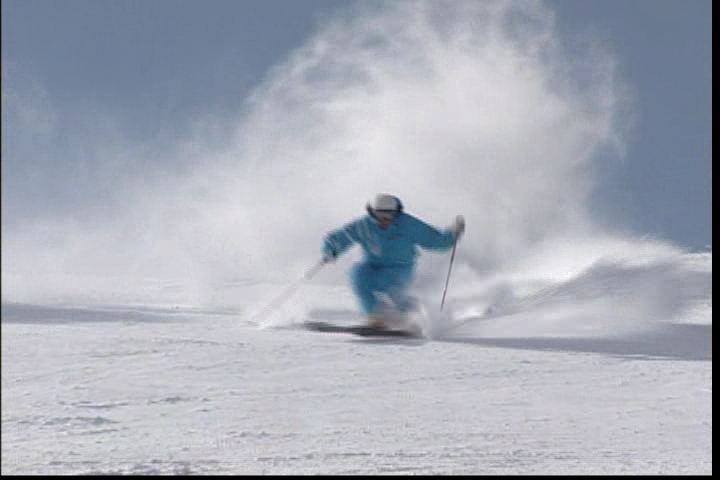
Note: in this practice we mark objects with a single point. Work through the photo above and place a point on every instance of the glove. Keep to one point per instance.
(329, 255)
(458, 227)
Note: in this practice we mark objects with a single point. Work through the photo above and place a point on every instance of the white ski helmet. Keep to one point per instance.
(385, 204)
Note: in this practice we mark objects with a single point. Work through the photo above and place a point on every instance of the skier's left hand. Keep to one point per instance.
(458, 227)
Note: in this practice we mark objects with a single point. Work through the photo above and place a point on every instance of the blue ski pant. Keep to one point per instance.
(368, 279)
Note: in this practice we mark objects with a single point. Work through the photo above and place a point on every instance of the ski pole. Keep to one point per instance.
(290, 290)
(447, 280)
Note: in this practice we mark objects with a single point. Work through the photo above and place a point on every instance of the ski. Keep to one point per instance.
(360, 330)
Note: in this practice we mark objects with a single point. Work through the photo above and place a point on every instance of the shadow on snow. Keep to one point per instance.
(669, 342)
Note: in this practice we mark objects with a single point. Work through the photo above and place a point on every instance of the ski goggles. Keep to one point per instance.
(385, 215)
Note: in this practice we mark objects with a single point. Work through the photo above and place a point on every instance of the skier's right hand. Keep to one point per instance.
(329, 255)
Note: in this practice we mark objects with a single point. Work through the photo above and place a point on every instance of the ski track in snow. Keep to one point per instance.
(545, 383)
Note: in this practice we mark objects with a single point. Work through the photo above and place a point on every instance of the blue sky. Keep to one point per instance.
(103, 99)
(664, 49)
(157, 61)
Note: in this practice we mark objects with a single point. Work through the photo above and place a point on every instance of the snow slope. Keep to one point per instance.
(571, 377)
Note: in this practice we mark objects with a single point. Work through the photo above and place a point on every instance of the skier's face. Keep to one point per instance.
(385, 217)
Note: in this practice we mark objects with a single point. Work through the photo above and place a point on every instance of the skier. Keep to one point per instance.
(390, 239)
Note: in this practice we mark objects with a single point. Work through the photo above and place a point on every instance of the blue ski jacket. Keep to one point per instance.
(395, 246)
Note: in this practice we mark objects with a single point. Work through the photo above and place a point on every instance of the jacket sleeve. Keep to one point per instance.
(338, 241)
(429, 237)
